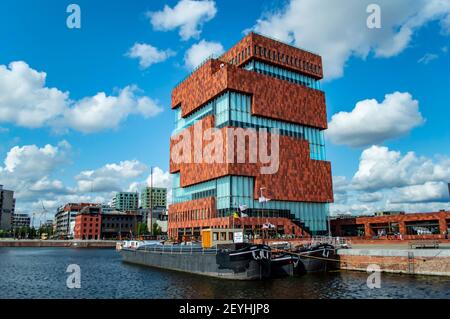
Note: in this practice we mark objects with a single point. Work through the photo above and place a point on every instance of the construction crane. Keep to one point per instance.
(41, 213)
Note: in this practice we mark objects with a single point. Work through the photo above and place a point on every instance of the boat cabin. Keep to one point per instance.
(212, 237)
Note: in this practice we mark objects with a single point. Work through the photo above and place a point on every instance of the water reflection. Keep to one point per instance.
(41, 273)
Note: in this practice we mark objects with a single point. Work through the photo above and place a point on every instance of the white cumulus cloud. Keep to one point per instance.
(102, 112)
(27, 169)
(188, 15)
(110, 177)
(31, 161)
(30, 172)
(26, 101)
(24, 98)
(199, 52)
(389, 180)
(381, 168)
(427, 58)
(371, 122)
(370, 197)
(338, 30)
(161, 178)
(428, 192)
(148, 54)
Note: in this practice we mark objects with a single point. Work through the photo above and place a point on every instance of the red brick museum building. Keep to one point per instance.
(259, 84)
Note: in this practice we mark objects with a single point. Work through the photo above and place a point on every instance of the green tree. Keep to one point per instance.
(46, 229)
(142, 229)
(156, 229)
(21, 232)
(32, 233)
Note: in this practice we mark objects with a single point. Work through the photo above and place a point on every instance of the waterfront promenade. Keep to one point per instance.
(400, 260)
(391, 256)
(58, 243)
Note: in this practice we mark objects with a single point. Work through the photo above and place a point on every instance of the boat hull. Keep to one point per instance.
(316, 259)
(222, 264)
(284, 265)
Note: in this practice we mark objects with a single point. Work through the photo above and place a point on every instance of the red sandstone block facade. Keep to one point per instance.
(371, 222)
(271, 97)
(298, 178)
(255, 46)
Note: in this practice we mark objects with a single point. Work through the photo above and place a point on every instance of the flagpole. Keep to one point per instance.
(262, 212)
(234, 204)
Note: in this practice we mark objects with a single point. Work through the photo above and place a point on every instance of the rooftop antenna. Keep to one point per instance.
(43, 213)
(262, 200)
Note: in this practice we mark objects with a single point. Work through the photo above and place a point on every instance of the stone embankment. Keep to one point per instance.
(405, 261)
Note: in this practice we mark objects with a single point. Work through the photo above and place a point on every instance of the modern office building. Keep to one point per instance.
(106, 208)
(151, 216)
(7, 206)
(65, 218)
(20, 220)
(153, 196)
(119, 225)
(48, 224)
(126, 201)
(259, 84)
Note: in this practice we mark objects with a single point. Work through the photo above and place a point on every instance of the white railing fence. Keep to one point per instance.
(337, 242)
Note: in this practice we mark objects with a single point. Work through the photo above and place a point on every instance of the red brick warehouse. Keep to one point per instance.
(88, 223)
(259, 84)
(410, 226)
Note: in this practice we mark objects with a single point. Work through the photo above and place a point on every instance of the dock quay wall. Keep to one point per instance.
(405, 261)
(59, 243)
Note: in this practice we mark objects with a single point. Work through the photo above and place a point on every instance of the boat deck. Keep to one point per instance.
(177, 249)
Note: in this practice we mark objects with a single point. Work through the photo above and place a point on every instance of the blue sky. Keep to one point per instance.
(362, 64)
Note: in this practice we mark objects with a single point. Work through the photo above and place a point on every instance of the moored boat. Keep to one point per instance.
(290, 262)
(238, 262)
(217, 256)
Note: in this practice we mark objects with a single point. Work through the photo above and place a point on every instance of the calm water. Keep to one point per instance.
(41, 273)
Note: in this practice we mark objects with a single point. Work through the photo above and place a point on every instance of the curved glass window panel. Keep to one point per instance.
(184, 122)
(283, 74)
(235, 109)
(232, 191)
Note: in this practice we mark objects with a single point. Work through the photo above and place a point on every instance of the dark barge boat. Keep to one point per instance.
(291, 262)
(230, 258)
(233, 261)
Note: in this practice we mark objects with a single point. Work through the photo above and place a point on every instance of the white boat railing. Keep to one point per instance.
(176, 249)
(337, 242)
